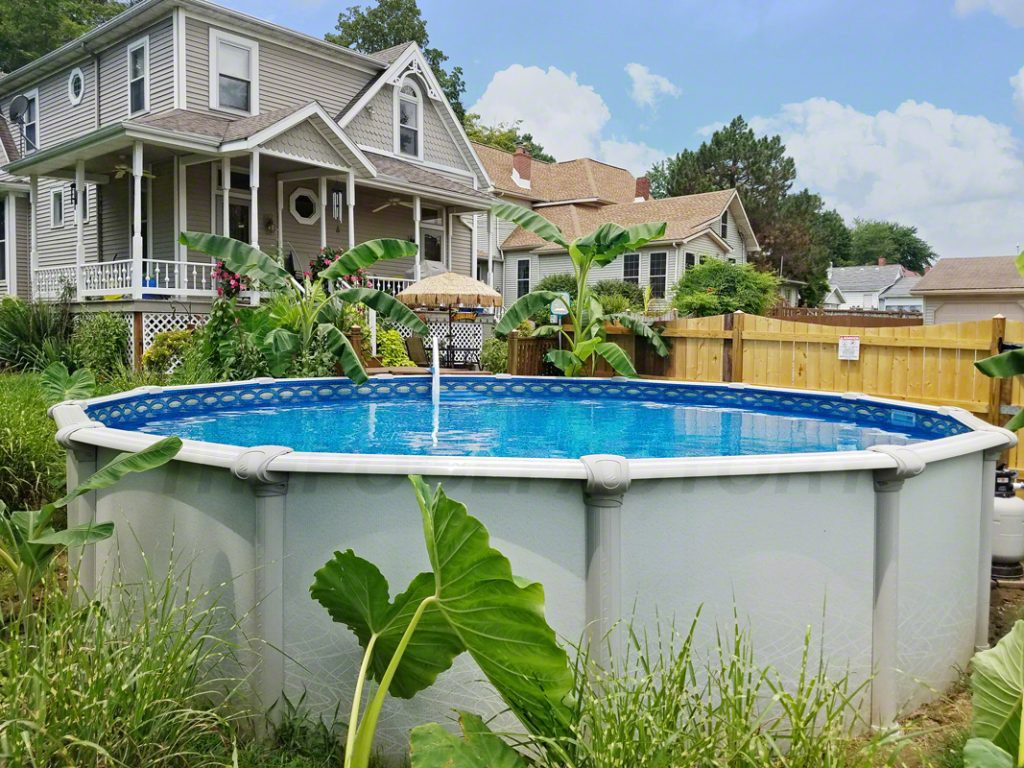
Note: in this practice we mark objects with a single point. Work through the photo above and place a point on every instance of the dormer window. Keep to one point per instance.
(138, 76)
(409, 119)
(725, 225)
(234, 69)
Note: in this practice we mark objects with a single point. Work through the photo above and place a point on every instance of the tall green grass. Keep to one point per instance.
(32, 467)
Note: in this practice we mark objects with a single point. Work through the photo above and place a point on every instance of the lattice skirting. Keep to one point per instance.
(160, 322)
(469, 335)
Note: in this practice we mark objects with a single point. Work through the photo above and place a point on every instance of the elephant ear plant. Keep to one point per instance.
(588, 339)
(302, 314)
(997, 687)
(28, 543)
(469, 601)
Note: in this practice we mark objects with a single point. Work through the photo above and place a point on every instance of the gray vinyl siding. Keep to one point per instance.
(438, 145)
(461, 241)
(198, 203)
(735, 239)
(22, 247)
(287, 77)
(305, 142)
(56, 247)
(115, 220)
(163, 245)
(374, 125)
(114, 73)
(394, 221)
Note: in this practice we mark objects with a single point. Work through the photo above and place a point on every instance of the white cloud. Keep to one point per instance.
(958, 178)
(565, 116)
(648, 87)
(1011, 10)
(1017, 81)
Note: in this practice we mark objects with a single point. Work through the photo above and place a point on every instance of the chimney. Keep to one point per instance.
(643, 189)
(881, 261)
(521, 166)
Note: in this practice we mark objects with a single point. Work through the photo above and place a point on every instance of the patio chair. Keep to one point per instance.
(417, 350)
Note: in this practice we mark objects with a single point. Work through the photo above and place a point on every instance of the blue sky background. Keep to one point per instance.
(901, 109)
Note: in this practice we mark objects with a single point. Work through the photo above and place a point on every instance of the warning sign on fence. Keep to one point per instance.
(849, 347)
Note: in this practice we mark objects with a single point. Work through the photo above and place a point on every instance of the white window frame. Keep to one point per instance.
(529, 270)
(638, 268)
(663, 275)
(53, 193)
(32, 95)
(75, 100)
(143, 43)
(216, 37)
(724, 230)
(6, 261)
(419, 118)
(298, 192)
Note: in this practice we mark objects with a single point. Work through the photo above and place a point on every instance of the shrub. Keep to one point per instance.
(494, 355)
(613, 303)
(717, 287)
(100, 343)
(193, 363)
(390, 348)
(630, 292)
(130, 679)
(165, 351)
(561, 283)
(33, 335)
(31, 462)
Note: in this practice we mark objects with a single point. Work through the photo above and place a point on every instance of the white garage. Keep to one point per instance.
(957, 290)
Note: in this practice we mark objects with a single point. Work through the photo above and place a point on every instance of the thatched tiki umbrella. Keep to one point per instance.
(449, 291)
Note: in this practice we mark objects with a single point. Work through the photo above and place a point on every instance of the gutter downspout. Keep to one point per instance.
(885, 593)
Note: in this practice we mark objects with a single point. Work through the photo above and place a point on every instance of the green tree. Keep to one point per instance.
(506, 136)
(30, 29)
(718, 287)
(896, 243)
(390, 23)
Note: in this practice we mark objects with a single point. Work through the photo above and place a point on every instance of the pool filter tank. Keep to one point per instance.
(1007, 528)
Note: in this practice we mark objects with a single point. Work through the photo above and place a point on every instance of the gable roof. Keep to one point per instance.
(901, 288)
(980, 274)
(865, 279)
(580, 179)
(687, 217)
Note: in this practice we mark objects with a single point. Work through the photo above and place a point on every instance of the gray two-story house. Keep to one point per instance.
(181, 114)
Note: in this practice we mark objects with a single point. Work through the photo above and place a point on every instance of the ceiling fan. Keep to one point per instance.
(392, 201)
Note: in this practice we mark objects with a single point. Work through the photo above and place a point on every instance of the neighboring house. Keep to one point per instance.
(862, 287)
(834, 299)
(580, 195)
(956, 290)
(789, 291)
(898, 297)
(180, 114)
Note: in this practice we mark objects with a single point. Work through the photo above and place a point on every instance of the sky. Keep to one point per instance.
(911, 110)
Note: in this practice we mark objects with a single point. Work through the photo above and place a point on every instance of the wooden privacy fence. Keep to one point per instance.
(932, 364)
(865, 318)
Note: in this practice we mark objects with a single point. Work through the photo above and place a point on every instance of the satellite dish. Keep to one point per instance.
(19, 106)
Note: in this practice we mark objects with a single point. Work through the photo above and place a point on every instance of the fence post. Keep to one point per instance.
(995, 386)
(738, 321)
(513, 353)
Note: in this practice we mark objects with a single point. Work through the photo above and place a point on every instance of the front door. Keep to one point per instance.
(238, 221)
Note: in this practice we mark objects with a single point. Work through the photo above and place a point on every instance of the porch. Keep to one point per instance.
(290, 184)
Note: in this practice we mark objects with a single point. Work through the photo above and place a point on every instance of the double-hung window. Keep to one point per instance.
(631, 268)
(233, 74)
(409, 117)
(3, 238)
(659, 274)
(138, 76)
(725, 225)
(522, 277)
(30, 122)
(691, 260)
(56, 208)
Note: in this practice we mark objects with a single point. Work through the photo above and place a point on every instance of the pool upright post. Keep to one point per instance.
(82, 460)
(885, 593)
(988, 502)
(270, 490)
(606, 485)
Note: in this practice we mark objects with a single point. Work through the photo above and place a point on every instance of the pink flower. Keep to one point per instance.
(220, 291)
(307, 274)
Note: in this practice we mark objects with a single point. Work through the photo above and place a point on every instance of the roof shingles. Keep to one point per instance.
(981, 274)
(865, 279)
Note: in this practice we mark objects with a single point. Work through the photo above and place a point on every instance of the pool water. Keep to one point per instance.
(541, 423)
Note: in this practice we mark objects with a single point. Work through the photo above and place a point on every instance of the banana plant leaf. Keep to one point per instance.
(279, 346)
(524, 308)
(355, 593)
(997, 687)
(432, 746)
(240, 258)
(609, 241)
(78, 536)
(386, 305)
(564, 360)
(499, 622)
(531, 222)
(59, 385)
(1003, 365)
(617, 358)
(368, 253)
(642, 329)
(981, 753)
(337, 344)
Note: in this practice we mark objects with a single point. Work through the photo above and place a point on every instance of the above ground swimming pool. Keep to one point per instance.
(865, 519)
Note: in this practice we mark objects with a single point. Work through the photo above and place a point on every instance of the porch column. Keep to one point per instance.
(254, 191)
(473, 248)
(350, 199)
(492, 244)
(33, 252)
(225, 196)
(181, 277)
(79, 229)
(416, 214)
(137, 220)
(323, 212)
(280, 218)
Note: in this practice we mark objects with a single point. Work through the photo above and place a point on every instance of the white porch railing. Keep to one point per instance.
(52, 282)
(389, 285)
(160, 278)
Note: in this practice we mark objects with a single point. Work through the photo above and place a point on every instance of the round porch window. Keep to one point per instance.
(76, 86)
(305, 206)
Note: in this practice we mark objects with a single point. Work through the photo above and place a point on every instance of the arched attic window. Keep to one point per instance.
(409, 120)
